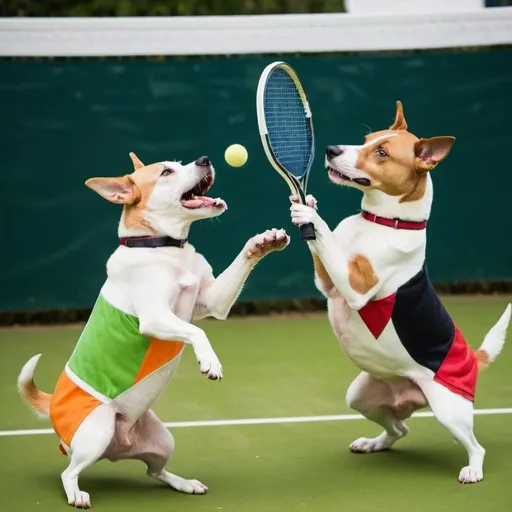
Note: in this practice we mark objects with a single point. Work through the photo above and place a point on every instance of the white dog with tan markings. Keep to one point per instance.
(382, 306)
(130, 348)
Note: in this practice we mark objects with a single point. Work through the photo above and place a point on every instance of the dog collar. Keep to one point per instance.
(151, 241)
(394, 223)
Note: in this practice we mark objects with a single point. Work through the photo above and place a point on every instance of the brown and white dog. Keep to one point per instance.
(382, 306)
(157, 284)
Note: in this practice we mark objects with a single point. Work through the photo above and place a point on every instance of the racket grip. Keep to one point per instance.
(307, 231)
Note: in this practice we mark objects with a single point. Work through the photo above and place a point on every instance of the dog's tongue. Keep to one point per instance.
(203, 202)
(198, 201)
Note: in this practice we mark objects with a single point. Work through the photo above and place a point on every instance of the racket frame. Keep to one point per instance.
(297, 185)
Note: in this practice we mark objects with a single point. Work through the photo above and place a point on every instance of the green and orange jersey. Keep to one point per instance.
(111, 357)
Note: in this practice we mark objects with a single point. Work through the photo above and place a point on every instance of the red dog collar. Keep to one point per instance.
(394, 223)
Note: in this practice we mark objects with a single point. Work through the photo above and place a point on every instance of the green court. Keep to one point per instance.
(278, 367)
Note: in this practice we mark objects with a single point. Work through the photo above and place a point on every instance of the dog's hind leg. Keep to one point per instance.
(153, 444)
(455, 413)
(89, 443)
(377, 401)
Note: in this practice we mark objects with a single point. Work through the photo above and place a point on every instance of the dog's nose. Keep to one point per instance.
(333, 151)
(203, 161)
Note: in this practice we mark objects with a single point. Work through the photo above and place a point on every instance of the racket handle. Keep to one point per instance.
(307, 231)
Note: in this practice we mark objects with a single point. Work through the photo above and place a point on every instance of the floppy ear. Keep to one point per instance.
(137, 164)
(429, 152)
(400, 122)
(116, 190)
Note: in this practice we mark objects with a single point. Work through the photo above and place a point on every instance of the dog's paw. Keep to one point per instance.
(310, 201)
(80, 499)
(380, 443)
(305, 214)
(470, 475)
(271, 240)
(376, 444)
(209, 364)
(193, 487)
(180, 484)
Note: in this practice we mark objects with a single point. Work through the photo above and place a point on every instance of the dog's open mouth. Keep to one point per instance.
(340, 177)
(195, 197)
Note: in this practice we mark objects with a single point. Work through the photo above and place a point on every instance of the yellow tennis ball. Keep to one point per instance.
(236, 155)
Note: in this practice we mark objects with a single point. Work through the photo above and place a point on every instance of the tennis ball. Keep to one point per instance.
(236, 155)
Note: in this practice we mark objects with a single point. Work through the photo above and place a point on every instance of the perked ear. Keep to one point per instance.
(400, 122)
(429, 152)
(116, 190)
(137, 164)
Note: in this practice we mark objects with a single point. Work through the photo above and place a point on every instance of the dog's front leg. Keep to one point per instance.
(152, 289)
(168, 327)
(354, 277)
(216, 297)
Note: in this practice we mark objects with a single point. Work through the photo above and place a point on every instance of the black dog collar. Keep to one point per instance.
(151, 241)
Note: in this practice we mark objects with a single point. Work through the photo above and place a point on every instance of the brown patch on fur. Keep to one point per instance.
(401, 169)
(132, 190)
(483, 359)
(398, 165)
(36, 399)
(395, 172)
(134, 219)
(361, 277)
(323, 276)
(400, 122)
(418, 190)
(144, 180)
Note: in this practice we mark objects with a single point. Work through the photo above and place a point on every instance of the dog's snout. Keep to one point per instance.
(203, 161)
(333, 151)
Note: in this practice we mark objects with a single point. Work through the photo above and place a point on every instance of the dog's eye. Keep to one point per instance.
(166, 172)
(381, 153)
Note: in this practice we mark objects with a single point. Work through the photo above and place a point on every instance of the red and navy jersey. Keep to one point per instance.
(427, 332)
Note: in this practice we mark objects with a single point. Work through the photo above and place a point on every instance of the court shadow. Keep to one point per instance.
(417, 459)
(109, 486)
(399, 461)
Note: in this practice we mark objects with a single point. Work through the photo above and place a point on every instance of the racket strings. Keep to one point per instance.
(289, 129)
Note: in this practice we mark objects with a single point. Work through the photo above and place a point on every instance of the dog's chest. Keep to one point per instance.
(188, 281)
(188, 285)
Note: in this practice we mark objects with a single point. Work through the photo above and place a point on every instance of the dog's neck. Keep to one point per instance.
(175, 227)
(390, 207)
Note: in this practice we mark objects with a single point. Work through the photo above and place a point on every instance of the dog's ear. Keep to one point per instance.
(429, 152)
(400, 122)
(137, 164)
(116, 190)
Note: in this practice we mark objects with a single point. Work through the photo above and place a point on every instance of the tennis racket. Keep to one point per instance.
(286, 128)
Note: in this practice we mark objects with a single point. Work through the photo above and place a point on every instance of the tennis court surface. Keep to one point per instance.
(287, 374)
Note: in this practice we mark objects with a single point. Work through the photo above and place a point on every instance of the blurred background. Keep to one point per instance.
(83, 83)
(224, 7)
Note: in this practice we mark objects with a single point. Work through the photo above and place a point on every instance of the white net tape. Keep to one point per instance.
(221, 35)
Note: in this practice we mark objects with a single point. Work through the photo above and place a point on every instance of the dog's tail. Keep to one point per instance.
(493, 341)
(38, 401)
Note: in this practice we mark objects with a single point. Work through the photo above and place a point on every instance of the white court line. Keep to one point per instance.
(257, 421)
